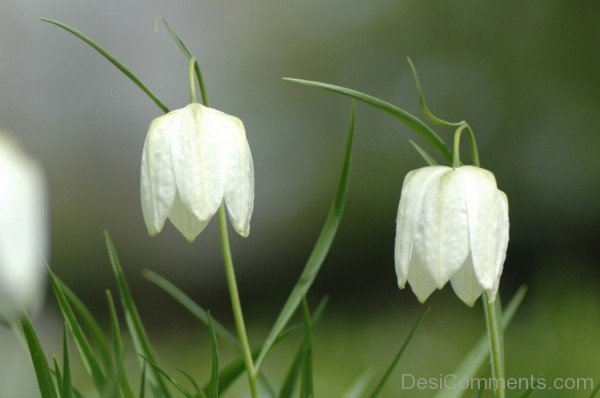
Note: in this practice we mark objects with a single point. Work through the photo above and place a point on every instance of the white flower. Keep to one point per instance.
(23, 231)
(452, 226)
(194, 159)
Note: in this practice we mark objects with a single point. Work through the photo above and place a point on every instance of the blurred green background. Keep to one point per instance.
(525, 74)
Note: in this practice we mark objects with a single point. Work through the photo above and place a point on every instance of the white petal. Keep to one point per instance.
(503, 227)
(239, 174)
(23, 231)
(441, 235)
(197, 160)
(483, 212)
(421, 282)
(185, 221)
(157, 179)
(409, 210)
(465, 283)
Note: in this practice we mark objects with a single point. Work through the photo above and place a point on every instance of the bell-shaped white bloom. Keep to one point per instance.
(452, 226)
(23, 231)
(195, 158)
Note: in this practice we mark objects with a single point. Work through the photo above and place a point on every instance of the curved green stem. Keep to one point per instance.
(235, 302)
(472, 143)
(496, 351)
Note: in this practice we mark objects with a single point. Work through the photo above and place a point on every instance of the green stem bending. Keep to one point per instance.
(496, 350)
(235, 302)
(472, 143)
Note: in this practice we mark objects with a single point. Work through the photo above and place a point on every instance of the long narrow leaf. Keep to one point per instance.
(87, 353)
(357, 390)
(132, 317)
(192, 307)
(188, 55)
(398, 356)
(111, 58)
(214, 376)
(96, 335)
(320, 251)
(477, 356)
(410, 120)
(40, 364)
(595, 392)
(67, 384)
(306, 387)
(118, 353)
(171, 380)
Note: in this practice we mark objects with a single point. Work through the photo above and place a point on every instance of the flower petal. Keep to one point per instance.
(157, 179)
(442, 235)
(465, 283)
(503, 227)
(481, 196)
(239, 175)
(420, 280)
(409, 210)
(23, 231)
(185, 221)
(196, 149)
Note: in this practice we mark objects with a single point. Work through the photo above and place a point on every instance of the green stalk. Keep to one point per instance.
(235, 302)
(496, 351)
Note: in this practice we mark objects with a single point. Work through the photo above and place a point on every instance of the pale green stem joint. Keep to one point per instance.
(235, 302)
(192, 80)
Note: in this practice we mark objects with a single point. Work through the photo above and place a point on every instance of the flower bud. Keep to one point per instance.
(452, 225)
(195, 158)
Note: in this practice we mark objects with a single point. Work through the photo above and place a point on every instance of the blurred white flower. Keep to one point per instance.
(452, 226)
(194, 159)
(23, 231)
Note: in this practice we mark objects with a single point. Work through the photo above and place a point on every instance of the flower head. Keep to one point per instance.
(23, 231)
(452, 226)
(195, 158)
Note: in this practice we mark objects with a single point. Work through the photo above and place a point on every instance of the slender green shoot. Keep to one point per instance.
(320, 250)
(405, 117)
(495, 340)
(118, 353)
(426, 157)
(214, 376)
(398, 356)
(423, 105)
(42, 370)
(111, 58)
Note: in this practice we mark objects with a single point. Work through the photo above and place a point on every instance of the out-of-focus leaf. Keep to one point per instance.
(42, 370)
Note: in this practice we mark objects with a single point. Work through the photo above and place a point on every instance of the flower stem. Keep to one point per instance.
(235, 302)
(496, 349)
(191, 64)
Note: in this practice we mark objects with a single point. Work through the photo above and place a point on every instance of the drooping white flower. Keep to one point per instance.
(23, 231)
(195, 158)
(452, 226)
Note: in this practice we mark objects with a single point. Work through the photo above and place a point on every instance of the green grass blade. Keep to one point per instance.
(86, 352)
(191, 380)
(96, 335)
(38, 358)
(58, 376)
(143, 382)
(320, 251)
(133, 320)
(306, 387)
(410, 120)
(67, 383)
(118, 352)
(89, 41)
(289, 383)
(595, 392)
(477, 356)
(188, 55)
(426, 157)
(358, 389)
(398, 356)
(194, 308)
(171, 380)
(213, 391)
